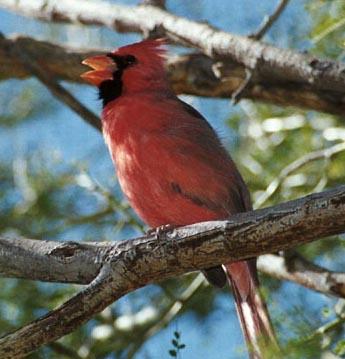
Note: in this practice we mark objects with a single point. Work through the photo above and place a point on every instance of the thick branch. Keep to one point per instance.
(265, 59)
(79, 263)
(74, 262)
(61, 62)
(131, 264)
(189, 74)
(276, 72)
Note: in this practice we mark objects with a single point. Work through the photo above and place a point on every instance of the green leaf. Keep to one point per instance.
(340, 347)
(177, 335)
(173, 353)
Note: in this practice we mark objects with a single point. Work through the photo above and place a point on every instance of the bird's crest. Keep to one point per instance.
(147, 51)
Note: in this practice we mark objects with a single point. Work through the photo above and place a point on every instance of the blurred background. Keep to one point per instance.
(57, 182)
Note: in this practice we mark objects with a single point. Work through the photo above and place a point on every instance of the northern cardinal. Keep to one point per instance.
(172, 166)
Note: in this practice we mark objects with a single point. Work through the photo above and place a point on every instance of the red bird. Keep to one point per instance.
(172, 166)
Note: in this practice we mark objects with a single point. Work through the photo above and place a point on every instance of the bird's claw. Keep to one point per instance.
(160, 231)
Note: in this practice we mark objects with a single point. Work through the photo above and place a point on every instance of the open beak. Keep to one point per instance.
(103, 69)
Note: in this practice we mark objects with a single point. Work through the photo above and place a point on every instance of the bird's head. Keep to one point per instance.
(128, 69)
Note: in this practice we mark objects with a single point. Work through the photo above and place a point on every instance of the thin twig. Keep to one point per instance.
(268, 21)
(328, 31)
(264, 27)
(294, 166)
(67, 98)
(330, 326)
(113, 202)
(168, 314)
(240, 91)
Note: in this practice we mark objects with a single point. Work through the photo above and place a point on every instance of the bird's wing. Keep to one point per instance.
(201, 170)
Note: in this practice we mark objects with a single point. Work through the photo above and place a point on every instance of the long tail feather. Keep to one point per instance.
(251, 308)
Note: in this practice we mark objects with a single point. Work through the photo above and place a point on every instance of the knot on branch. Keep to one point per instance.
(65, 250)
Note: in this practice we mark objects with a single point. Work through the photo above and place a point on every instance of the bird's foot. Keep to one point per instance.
(159, 232)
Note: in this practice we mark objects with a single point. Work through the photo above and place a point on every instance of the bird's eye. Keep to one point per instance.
(130, 59)
(122, 61)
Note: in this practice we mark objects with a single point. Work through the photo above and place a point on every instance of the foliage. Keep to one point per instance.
(327, 33)
(175, 353)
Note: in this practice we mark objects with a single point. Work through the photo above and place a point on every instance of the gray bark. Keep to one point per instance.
(276, 73)
(131, 264)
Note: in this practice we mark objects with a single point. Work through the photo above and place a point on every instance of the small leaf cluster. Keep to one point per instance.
(177, 345)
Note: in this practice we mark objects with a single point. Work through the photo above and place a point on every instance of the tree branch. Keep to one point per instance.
(30, 63)
(269, 20)
(79, 263)
(167, 314)
(128, 265)
(264, 27)
(158, 3)
(274, 68)
(190, 74)
(285, 63)
(295, 268)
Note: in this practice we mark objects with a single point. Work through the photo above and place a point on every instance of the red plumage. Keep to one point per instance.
(172, 166)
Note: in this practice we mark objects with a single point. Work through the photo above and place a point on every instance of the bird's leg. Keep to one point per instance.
(160, 231)
(160, 234)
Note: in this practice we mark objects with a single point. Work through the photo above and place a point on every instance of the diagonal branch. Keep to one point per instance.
(132, 264)
(270, 20)
(167, 315)
(325, 153)
(282, 65)
(264, 27)
(30, 63)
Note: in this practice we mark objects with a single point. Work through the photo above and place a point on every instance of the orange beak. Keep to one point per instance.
(103, 69)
